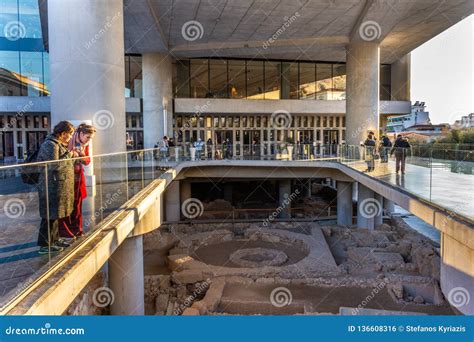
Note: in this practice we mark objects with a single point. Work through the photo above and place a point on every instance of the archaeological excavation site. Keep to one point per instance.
(233, 254)
(237, 262)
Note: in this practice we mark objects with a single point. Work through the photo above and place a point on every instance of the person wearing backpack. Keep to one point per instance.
(401, 148)
(55, 186)
(71, 226)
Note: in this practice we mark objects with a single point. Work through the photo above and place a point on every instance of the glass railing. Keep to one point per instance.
(436, 174)
(35, 199)
(38, 195)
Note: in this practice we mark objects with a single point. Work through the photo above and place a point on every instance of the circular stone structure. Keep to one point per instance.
(258, 257)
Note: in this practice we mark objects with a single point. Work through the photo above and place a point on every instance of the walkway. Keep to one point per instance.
(450, 190)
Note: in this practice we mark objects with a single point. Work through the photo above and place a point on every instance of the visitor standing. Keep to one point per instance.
(72, 226)
(370, 145)
(400, 148)
(55, 186)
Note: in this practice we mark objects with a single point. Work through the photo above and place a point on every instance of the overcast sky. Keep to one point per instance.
(442, 73)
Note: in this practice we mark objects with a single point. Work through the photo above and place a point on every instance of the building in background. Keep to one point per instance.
(292, 79)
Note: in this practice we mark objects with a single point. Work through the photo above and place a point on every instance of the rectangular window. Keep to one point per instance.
(237, 89)
(19, 137)
(45, 121)
(37, 121)
(237, 122)
(32, 72)
(223, 121)
(218, 78)
(135, 76)
(272, 80)
(229, 121)
(244, 121)
(255, 80)
(339, 82)
(181, 79)
(10, 65)
(324, 81)
(307, 84)
(208, 121)
(199, 78)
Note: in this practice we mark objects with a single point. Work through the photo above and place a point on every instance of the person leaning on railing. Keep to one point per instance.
(71, 226)
(400, 147)
(55, 186)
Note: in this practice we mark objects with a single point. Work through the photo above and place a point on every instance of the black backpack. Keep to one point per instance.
(30, 174)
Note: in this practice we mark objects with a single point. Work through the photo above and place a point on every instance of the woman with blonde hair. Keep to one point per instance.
(72, 226)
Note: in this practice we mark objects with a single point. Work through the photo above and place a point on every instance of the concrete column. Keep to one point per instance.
(86, 60)
(308, 188)
(389, 206)
(400, 79)
(228, 192)
(172, 202)
(365, 206)
(184, 190)
(284, 191)
(344, 203)
(362, 91)
(157, 97)
(378, 219)
(126, 278)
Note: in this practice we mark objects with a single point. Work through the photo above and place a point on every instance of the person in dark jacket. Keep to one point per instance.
(385, 146)
(370, 145)
(400, 147)
(55, 186)
(72, 226)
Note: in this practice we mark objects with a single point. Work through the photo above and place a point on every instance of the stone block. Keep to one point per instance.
(187, 277)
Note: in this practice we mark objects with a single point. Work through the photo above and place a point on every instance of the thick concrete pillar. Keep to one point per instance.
(388, 206)
(362, 91)
(184, 190)
(87, 67)
(365, 207)
(172, 202)
(344, 203)
(157, 97)
(378, 219)
(284, 191)
(400, 79)
(126, 278)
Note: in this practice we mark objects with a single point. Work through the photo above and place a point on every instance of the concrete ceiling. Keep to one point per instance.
(309, 29)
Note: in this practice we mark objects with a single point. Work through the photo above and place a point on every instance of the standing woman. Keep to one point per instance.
(55, 187)
(71, 226)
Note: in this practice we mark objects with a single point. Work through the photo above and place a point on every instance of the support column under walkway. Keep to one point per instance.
(126, 278)
(344, 203)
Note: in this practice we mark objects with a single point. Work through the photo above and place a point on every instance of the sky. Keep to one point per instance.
(442, 73)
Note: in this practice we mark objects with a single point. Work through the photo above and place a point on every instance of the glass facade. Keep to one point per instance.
(259, 80)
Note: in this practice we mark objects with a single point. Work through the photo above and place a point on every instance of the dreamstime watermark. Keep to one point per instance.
(108, 24)
(281, 119)
(14, 30)
(190, 299)
(47, 329)
(102, 297)
(103, 119)
(280, 297)
(370, 30)
(192, 208)
(285, 203)
(281, 30)
(192, 30)
(14, 208)
(109, 201)
(370, 207)
(459, 297)
(369, 297)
